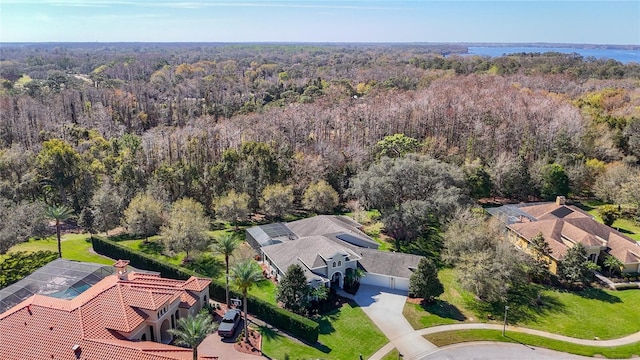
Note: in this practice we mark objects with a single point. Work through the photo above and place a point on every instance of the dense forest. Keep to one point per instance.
(93, 126)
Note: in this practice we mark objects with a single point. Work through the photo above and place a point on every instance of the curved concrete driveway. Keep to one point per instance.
(384, 307)
(497, 351)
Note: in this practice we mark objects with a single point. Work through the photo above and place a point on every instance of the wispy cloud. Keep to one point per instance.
(356, 5)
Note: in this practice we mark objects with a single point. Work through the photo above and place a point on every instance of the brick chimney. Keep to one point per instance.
(560, 200)
(121, 269)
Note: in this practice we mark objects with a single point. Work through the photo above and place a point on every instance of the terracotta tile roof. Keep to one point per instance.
(121, 263)
(196, 284)
(43, 327)
(187, 299)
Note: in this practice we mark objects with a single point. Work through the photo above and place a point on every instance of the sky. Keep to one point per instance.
(515, 21)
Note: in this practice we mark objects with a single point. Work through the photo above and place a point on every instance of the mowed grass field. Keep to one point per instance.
(344, 334)
(587, 314)
(74, 247)
(625, 226)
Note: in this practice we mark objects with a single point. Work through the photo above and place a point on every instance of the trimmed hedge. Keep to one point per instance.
(294, 324)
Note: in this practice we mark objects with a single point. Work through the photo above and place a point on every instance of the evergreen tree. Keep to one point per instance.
(424, 281)
(293, 290)
(575, 267)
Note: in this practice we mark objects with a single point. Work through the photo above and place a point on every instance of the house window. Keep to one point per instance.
(144, 337)
(153, 337)
(334, 264)
(339, 263)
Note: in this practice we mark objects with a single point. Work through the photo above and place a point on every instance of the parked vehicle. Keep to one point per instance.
(229, 323)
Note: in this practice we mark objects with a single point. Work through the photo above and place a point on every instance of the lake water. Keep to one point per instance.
(624, 56)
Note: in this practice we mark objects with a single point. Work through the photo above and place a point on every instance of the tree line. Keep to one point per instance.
(240, 129)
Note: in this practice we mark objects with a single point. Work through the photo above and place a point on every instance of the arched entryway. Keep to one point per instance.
(337, 279)
(165, 337)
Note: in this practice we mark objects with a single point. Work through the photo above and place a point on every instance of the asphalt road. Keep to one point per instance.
(497, 351)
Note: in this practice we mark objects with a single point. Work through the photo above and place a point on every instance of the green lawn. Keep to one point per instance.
(344, 334)
(265, 290)
(152, 248)
(74, 247)
(454, 337)
(625, 226)
(392, 355)
(585, 314)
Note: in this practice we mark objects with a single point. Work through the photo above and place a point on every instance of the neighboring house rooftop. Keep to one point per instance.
(563, 226)
(46, 327)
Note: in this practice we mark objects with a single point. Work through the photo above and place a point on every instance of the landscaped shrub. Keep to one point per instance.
(17, 265)
(138, 259)
(294, 324)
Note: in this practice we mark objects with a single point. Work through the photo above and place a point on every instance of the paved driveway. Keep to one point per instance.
(497, 351)
(215, 347)
(384, 307)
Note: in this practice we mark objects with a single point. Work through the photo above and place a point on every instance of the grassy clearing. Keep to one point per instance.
(74, 247)
(344, 334)
(454, 337)
(584, 314)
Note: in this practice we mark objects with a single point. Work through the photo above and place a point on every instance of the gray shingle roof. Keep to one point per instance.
(305, 249)
(347, 229)
(388, 263)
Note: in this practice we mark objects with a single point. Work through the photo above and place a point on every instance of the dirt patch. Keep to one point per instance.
(253, 347)
(414, 300)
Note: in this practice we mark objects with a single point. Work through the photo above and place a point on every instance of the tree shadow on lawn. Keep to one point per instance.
(526, 304)
(598, 294)
(272, 335)
(325, 322)
(151, 247)
(444, 310)
(624, 231)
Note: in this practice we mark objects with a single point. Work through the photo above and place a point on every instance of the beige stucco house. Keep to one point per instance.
(563, 226)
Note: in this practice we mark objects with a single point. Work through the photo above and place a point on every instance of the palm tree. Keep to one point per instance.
(612, 263)
(245, 275)
(192, 330)
(59, 214)
(226, 245)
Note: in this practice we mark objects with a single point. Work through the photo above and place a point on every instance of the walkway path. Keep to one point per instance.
(384, 307)
(468, 326)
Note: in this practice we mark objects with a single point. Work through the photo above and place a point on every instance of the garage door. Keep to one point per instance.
(402, 284)
(376, 280)
(386, 281)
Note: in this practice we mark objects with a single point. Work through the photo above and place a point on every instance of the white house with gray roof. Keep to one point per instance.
(328, 247)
